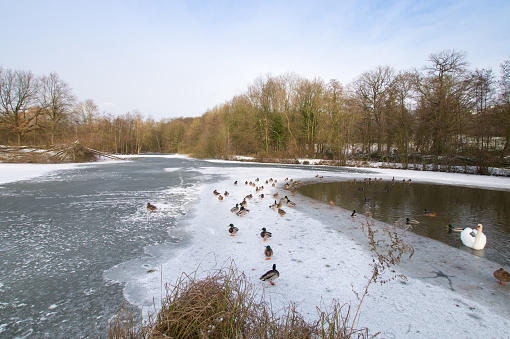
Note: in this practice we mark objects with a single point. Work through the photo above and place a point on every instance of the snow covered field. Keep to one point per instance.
(321, 256)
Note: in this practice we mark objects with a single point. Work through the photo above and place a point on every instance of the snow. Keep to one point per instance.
(318, 262)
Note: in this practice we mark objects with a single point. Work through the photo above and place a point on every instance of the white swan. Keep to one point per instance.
(473, 238)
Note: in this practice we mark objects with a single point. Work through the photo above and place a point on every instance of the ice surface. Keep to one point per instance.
(321, 255)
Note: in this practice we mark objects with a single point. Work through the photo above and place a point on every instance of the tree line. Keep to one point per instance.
(443, 112)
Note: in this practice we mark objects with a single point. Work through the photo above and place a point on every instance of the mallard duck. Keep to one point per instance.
(280, 204)
(287, 186)
(268, 252)
(220, 198)
(274, 206)
(226, 194)
(474, 238)
(450, 228)
(411, 222)
(276, 195)
(331, 203)
(285, 199)
(216, 192)
(232, 230)
(235, 183)
(281, 212)
(261, 196)
(249, 196)
(242, 211)
(429, 213)
(235, 208)
(151, 207)
(265, 234)
(502, 275)
(354, 214)
(291, 203)
(270, 275)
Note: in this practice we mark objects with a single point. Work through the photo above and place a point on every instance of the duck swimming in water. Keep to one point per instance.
(450, 228)
(270, 275)
(429, 213)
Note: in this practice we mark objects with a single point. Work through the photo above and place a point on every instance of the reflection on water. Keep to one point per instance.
(460, 206)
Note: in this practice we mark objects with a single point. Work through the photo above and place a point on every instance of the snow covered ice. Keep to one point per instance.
(321, 255)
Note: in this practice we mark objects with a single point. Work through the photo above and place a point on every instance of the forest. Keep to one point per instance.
(443, 114)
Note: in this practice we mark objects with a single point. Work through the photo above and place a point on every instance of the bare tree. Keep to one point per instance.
(504, 102)
(18, 110)
(443, 104)
(56, 100)
(372, 90)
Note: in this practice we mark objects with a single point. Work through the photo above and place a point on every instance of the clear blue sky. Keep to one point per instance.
(179, 58)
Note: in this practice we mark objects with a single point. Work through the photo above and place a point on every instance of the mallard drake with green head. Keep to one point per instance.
(450, 228)
(242, 211)
(235, 208)
(411, 222)
(268, 252)
(265, 234)
(233, 230)
(270, 275)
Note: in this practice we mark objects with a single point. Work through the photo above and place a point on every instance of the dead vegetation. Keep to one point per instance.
(75, 152)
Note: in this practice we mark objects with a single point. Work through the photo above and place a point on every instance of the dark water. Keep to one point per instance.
(460, 206)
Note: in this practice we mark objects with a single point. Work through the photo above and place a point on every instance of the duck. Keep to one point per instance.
(216, 192)
(265, 234)
(235, 208)
(270, 275)
(261, 196)
(226, 194)
(268, 252)
(474, 239)
(502, 275)
(411, 222)
(233, 230)
(220, 198)
(285, 199)
(331, 203)
(242, 211)
(276, 195)
(274, 206)
(429, 213)
(281, 212)
(353, 214)
(151, 207)
(291, 203)
(235, 183)
(450, 228)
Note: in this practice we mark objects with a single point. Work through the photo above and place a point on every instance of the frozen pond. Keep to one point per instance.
(61, 232)
(67, 238)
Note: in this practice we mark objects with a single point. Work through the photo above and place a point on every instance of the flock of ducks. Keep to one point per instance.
(473, 238)
(240, 209)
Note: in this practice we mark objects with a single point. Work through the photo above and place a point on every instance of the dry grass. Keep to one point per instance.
(225, 305)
